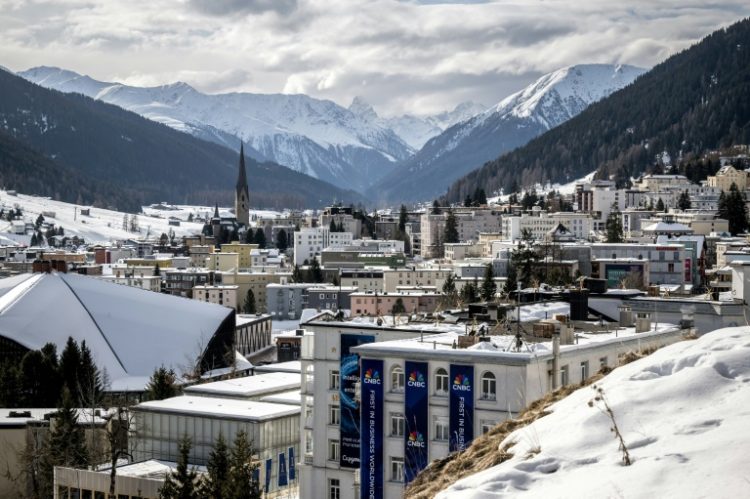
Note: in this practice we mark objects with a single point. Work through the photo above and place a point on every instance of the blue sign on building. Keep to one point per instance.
(417, 423)
(349, 377)
(461, 407)
(371, 468)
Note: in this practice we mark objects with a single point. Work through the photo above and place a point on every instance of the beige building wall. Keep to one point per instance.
(257, 281)
(220, 295)
(728, 175)
(223, 262)
(243, 250)
(392, 279)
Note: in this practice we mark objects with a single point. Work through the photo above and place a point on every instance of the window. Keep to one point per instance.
(397, 379)
(584, 370)
(397, 469)
(489, 386)
(602, 362)
(441, 382)
(333, 450)
(563, 375)
(333, 380)
(334, 488)
(487, 425)
(397, 424)
(333, 414)
(670, 267)
(442, 429)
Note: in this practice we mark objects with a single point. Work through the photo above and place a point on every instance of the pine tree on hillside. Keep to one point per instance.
(67, 440)
(70, 362)
(733, 208)
(683, 201)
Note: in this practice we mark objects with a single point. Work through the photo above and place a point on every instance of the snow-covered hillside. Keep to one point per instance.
(683, 412)
(99, 226)
(313, 136)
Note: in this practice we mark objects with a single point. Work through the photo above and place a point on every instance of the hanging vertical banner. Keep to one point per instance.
(417, 424)
(348, 379)
(282, 470)
(461, 407)
(269, 469)
(292, 472)
(371, 468)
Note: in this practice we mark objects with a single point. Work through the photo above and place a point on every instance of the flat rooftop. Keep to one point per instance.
(292, 366)
(219, 407)
(249, 386)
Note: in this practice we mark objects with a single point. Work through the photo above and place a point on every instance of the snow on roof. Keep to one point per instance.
(292, 366)
(667, 227)
(293, 397)
(130, 331)
(249, 386)
(683, 415)
(230, 408)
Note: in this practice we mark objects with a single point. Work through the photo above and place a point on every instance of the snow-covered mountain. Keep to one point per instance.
(550, 101)
(313, 136)
(416, 130)
(682, 412)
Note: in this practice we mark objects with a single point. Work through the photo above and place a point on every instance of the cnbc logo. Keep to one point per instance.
(416, 439)
(461, 382)
(416, 380)
(372, 377)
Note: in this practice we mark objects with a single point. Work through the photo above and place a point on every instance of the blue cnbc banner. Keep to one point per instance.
(461, 407)
(371, 469)
(417, 423)
(349, 377)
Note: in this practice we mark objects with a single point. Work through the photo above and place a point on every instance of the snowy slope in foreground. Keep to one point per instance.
(683, 412)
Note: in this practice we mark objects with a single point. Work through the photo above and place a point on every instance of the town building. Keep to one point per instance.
(310, 242)
(225, 295)
(412, 302)
(470, 222)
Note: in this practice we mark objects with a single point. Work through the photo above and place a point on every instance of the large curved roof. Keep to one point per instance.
(130, 331)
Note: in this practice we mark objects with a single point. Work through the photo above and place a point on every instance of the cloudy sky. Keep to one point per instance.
(402, 56)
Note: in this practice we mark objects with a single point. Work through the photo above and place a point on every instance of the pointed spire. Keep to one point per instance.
(216, 211)
(242, 177)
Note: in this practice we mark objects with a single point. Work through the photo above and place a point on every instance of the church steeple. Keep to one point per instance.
(241, 194)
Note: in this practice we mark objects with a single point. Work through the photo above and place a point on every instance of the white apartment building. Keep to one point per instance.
(309, 242)
(539, 223)
(420, 398)
(657, 263)
(326, 471)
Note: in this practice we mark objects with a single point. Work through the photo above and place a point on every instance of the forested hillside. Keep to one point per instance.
(697, 100)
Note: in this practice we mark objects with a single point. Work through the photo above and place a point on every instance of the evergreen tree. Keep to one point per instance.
(282, 241)
(260, 238)
(215, 483)
(732, 207)
(614, 225)
(660, 205)
(163, 384)
(683, 202)
(403, 217)
(524, 258)
(449, 286)
(90, 380)
(297, 276)
(489, 287)
(398, 307)
(10, 384)
(436, 207)
(34, 241)
(70, 362)
(315, 273)
(249, 306)
(332, 226)
(67, 440)
(249, 236)
(469, 293)
(242, 483)
(450, 233)
(181, 483)
(510, 280)
(468, 202)
(480, 197)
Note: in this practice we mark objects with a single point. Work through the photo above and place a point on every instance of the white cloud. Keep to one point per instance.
(415, 56)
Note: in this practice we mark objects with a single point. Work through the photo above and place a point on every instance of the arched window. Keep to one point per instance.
(489, 386)
(397, 379)
(441, 382)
